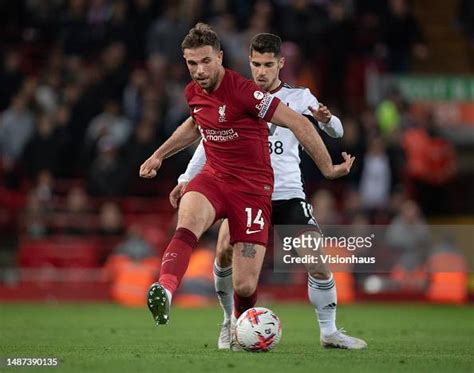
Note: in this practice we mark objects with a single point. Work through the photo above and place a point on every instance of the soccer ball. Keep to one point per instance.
(258, 329)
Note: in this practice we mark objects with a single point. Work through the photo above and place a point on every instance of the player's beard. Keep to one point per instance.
(266, 86)
(210, 83)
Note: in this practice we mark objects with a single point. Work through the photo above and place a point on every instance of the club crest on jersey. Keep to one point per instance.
(222, 114)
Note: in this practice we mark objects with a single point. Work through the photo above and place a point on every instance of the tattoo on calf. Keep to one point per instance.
(249, 251)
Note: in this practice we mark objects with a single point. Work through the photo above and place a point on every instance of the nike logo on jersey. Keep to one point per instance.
(248, 231)
(196, 110)
(166, 260)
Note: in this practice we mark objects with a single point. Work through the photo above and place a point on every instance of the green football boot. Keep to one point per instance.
(158, 304)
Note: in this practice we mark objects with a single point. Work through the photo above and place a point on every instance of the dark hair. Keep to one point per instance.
(201, 35)
(266, 43)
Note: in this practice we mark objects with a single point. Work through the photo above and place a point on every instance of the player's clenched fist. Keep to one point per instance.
(150, 166)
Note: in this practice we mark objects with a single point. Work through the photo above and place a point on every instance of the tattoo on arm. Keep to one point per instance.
(249, 251)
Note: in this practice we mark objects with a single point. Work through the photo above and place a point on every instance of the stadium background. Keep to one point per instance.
(89, 88)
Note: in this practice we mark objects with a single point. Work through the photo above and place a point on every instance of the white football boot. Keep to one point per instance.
(225, 336)
(339, 339)
(234, 345)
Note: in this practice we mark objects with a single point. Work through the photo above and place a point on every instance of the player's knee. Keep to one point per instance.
(195, 213)
(190, 222)
(245, 288)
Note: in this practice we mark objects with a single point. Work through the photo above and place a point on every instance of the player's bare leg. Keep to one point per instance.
(195, 216)
(224, 250)
(247, 263)
(223, 283)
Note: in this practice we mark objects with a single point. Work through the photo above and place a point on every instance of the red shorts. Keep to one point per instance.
(248, 214)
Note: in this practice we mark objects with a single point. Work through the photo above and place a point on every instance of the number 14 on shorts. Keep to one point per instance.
(256, 219)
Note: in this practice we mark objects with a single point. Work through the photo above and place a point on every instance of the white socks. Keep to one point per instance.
(224, 289)
(322, 294)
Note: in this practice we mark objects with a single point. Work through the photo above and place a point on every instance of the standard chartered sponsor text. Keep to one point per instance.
(220, 135)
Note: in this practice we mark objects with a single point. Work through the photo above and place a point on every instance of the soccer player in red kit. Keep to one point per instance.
(230, 113)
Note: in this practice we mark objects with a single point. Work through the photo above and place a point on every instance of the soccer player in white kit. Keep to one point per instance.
(289, 205)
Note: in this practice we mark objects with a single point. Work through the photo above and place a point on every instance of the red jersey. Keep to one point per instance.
(233, 124)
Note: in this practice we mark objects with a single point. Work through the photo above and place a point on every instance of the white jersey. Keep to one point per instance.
(284, 146)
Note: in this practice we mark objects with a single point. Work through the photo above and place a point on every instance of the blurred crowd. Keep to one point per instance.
(465, 21)
(89, 88)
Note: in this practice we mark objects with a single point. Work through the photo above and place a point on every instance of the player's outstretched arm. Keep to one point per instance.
(311, 141)
(185, 135)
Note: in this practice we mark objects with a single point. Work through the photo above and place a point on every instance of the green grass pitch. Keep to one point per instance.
(103, 338)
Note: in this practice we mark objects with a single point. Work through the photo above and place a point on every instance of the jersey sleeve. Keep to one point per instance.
(255, 101)
(188, 94)
(195, 165)
(188, 91)
(333, 128)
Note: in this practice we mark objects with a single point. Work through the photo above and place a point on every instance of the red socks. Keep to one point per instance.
(242, 304)
(175, 260)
